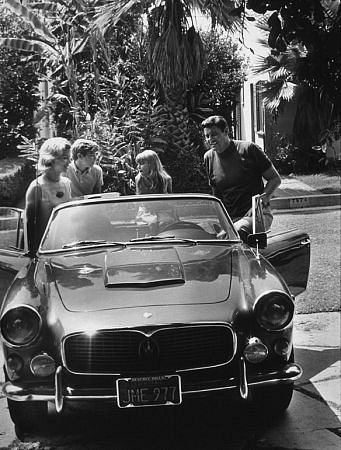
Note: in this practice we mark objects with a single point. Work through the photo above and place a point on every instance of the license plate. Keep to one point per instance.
(148, 391)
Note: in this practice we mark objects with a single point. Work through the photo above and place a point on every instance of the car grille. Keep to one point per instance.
(161, 350)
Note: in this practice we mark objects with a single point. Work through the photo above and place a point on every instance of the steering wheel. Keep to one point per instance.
(182, 224)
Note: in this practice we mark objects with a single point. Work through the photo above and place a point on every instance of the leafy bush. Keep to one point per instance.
(15, 175)
(18, 91)
(288, 158)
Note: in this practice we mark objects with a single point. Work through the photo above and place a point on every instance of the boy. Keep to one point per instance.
(86, 176)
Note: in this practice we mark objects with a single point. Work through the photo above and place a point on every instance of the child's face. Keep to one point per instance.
(85, 161)
(143, 168)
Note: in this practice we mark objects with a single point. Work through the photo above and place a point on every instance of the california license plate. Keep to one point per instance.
(148, 391)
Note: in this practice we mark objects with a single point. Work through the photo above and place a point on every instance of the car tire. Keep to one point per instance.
(27, 416)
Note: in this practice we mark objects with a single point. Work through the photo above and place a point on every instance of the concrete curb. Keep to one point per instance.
(308, 201)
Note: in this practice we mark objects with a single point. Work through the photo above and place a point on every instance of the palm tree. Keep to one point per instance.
(176, 59)
(175, 54)
(317, 114)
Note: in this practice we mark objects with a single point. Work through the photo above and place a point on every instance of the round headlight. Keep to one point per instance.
(274, 310)
(21, 325)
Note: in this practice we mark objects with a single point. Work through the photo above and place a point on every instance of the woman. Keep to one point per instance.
(47, 190)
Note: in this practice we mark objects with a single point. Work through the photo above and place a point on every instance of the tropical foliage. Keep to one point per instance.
(175, 56)
(305, 66)
(130, 90)
(18, 91)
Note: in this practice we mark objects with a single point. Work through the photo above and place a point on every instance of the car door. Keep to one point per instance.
(289, 253)
(12, 246)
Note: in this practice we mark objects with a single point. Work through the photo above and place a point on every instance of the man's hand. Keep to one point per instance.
(265, 199)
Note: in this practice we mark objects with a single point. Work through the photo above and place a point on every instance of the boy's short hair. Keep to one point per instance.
(83, 147)
(215, 121)
(51, 150)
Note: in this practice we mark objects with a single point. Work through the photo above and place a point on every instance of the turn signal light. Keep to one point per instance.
(282, 348)
(14, 366)
(255, 352)
(43, 365)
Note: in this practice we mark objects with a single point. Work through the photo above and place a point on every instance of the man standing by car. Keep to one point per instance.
(236, 170)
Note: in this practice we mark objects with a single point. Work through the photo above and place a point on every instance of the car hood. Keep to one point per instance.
(142, 276)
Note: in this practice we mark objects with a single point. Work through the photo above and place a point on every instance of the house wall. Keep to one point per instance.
(251, 114)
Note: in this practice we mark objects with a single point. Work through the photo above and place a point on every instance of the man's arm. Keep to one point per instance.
(273, 181)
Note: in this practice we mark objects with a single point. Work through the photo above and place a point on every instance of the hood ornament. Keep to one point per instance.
(147, 315)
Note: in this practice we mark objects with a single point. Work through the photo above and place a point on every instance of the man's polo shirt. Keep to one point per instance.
(87, 182)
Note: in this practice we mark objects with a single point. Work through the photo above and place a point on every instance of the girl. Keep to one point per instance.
(47, 190)
(152, 177)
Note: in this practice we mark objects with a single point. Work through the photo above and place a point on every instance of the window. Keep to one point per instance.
(259, 104)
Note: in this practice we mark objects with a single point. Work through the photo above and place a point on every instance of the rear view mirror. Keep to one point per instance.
(257, 240)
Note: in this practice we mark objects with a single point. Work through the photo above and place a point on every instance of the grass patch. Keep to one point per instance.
(327, 183)
(323, 227)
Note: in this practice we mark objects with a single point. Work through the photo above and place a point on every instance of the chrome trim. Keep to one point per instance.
(35, 337)
(150, 334)
(283, 250)
(58, 397)
(243, 387)
(274, 291)
(289, 374)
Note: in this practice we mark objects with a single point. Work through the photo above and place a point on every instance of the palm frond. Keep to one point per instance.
(28, 46)
(50, 7)
(111, 13)
(277, 92)
(30, 18)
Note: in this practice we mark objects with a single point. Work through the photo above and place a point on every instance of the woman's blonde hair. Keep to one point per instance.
(157, 173)
(51, 150)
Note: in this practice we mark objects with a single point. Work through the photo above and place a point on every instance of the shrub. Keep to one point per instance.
(15, 175)
(288, 158)
(18, 91)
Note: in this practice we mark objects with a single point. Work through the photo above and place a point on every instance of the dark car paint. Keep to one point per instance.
(87, 289)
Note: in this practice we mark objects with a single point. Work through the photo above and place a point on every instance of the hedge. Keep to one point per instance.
(15, 176)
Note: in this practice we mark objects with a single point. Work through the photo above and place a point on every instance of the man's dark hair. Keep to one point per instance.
(215, 121)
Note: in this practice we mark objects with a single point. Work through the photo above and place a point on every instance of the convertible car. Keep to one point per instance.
(141, 301)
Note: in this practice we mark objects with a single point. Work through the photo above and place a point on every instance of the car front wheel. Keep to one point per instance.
(28, 416)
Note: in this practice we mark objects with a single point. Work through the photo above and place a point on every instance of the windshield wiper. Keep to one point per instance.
(94, 242)
(163, 238)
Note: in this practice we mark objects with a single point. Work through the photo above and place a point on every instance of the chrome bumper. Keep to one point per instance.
(287, 374)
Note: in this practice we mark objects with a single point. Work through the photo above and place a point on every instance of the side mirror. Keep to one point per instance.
(257, 240)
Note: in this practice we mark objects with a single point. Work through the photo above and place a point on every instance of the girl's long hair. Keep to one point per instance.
(157, 174)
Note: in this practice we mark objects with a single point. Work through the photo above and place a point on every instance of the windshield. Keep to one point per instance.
(118, 222)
